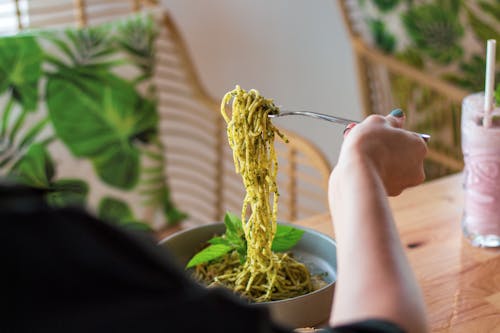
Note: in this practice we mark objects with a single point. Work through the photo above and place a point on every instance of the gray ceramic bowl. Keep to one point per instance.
(315, 249)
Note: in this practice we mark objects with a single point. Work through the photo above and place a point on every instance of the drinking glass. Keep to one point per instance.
(481, 150)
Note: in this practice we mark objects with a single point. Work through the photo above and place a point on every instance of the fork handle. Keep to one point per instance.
(327, 117)
(425, 137)
(317, 115)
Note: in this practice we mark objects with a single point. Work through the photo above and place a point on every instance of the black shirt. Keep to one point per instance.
(65, 271)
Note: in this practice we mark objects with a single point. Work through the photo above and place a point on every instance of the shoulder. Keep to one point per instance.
(15, 198)
(368, 326)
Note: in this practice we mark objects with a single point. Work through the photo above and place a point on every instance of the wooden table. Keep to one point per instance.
(461, 284)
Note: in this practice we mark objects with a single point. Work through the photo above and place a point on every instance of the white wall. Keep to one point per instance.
(294, 51)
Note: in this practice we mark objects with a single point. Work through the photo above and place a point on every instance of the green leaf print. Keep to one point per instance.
(20, 69)
(382, 37)
(88, 80)
(412, 57)
(35, 168)
(436, 30)
(68, 192)
(482, 30)
(471, 75)
(497, 94)
(453, 6)
(118, 212)
(136, 36)
(81, 47)
(103, 123)
(112, 209)
(385, 5)
(90, 43)
(491, 8)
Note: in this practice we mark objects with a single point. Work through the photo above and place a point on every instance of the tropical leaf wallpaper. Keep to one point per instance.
(446, 38)
(79, 119)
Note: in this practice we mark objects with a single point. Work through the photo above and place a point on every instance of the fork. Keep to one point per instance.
(322, 116)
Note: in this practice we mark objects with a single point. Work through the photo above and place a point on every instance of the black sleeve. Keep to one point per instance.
(69, 272)
(368, 326)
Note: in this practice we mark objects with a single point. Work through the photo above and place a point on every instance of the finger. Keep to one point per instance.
(348, 128)
(396, 118)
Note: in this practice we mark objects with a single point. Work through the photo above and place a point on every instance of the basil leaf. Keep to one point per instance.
(285, 238)
(233, 239)
(219, 240)
(234, 232)
(209, 253)
(233, 224)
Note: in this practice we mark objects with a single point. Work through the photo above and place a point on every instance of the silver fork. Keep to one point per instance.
(322, 116)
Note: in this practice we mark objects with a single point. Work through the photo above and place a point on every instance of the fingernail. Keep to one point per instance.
(397, 113)
(348, 128)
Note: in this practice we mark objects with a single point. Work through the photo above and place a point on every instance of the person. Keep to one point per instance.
(66, 271)
(378, 158)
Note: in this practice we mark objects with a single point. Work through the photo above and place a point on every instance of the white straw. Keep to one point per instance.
(490, 81)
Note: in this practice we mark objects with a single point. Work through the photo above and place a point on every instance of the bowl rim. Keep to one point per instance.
(309, 230)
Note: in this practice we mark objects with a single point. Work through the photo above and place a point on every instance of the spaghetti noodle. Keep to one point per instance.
(265, 275)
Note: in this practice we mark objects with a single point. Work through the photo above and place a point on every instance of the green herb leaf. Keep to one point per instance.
(234, 232)
(219, 240)
(285, 238)
(233, 239)
(233, 224)
(209, 253)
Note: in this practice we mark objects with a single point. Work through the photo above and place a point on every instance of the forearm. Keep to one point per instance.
(374, 280)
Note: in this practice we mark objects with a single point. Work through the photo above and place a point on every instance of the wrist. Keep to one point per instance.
(361, 157)
(353, 165)
(350, 177)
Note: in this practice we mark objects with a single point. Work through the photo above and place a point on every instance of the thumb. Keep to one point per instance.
(396, 118)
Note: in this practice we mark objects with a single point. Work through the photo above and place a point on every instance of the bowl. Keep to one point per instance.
(316, 250)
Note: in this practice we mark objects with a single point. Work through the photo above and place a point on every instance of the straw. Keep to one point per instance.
(490, 81)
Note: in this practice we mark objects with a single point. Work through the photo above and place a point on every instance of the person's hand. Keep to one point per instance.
(378, 158)
(395, 154)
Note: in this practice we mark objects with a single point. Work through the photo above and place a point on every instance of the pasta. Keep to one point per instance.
(265, 275)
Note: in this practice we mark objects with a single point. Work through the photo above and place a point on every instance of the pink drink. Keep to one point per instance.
(481, 148)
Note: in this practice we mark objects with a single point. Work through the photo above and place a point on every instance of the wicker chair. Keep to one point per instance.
(200, 167)
(386, 82)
